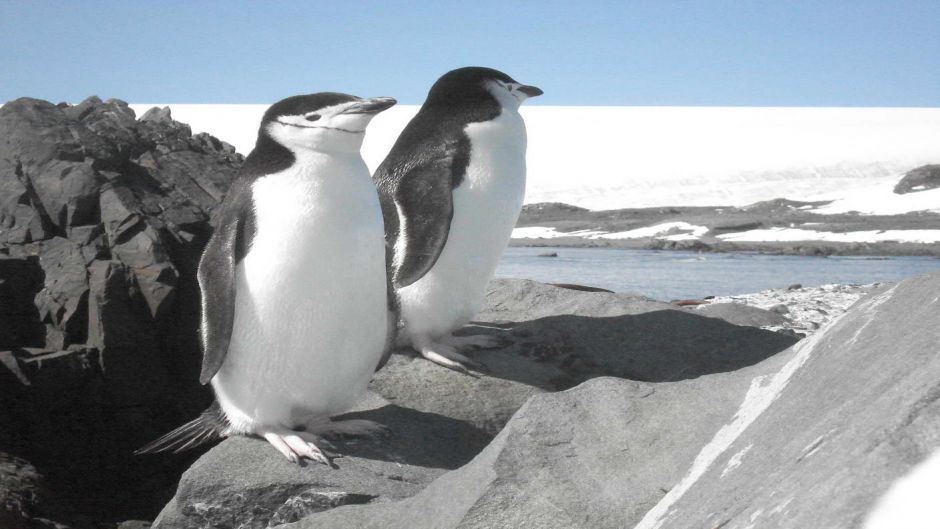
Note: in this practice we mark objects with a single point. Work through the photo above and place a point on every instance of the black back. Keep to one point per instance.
(428, 161)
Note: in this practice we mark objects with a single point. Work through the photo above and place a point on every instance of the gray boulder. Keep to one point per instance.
(810, 437)
(740, 314)
(244, 483)
(919, 179)
(546, 349)
(555, 338)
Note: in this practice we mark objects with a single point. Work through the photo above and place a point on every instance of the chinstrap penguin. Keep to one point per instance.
(296, 306)
(451, 190)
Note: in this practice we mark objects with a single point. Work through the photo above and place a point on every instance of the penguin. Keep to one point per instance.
(451, 190)
(296, 312)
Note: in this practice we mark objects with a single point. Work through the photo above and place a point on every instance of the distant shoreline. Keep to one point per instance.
(779, 226)
(802, 248)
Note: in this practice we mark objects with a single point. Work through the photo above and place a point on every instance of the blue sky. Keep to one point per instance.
(743, 53)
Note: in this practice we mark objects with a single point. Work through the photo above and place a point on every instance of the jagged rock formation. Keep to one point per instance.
(102, 221)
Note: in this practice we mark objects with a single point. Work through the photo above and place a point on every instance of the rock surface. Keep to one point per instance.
(25, 500)
(555, 338)
(919, 179)
(810, 437)
(102, 220)
(758, 442)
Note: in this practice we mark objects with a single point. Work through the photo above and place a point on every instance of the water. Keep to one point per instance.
(670, 274)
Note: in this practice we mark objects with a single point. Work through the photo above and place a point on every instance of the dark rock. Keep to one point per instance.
(779, 206)
(25, 501)
(21, 217)
(532, 214)
(63, 301)
(20, 281)
(582, 288)
(688, 302)
(548, 254)
(795, 286)
(919, 179)
(102, 220)
(134, 524)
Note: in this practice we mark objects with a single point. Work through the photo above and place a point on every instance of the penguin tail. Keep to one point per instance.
(210, 426)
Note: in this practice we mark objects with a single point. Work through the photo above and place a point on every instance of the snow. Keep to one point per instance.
(542, 232)
(666, 230)
(911, 502)
(617, 157)
(880, 199)
(798, 234)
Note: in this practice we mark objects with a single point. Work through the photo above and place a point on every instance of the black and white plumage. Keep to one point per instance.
(296, 312)
(451, 190)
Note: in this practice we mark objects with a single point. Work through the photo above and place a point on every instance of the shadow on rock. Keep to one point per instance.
(658, 346)
(416, 438)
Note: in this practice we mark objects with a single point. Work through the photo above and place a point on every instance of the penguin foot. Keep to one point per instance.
(297, 445)
(446, 355)
(476, 341)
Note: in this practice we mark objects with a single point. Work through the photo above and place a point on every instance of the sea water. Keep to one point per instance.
(670, 274)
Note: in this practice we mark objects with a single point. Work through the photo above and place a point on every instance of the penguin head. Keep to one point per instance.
(325, 121)
(476, 84)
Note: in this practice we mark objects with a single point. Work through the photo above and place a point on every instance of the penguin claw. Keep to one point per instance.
(295, 448)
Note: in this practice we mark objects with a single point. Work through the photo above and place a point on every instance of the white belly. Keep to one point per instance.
(311, 316)
(486, 207)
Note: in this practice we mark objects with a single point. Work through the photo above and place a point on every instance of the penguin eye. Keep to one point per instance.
(313, 117)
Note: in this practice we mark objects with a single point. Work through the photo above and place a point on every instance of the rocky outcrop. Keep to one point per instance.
(919, 179)
(810, 437)
(102, 220)
(25, 500)
(804, 437)
(554, 339)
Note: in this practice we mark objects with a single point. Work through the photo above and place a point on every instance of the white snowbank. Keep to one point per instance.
(911, 502)
(667, 231)
(616, 157)
(668, 228)
(544, 232)
(797, 234)
(880, 199)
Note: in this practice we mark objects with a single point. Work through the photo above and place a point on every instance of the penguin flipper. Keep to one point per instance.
(226, 248)
(425, 205)
(209, 426)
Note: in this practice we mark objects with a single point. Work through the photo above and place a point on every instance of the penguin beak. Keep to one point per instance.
(530, 91)
(370, 106)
